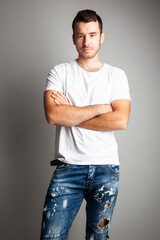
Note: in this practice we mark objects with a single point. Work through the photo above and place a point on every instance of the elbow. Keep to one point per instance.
(50, 120)
(123, 124)
(51, 116)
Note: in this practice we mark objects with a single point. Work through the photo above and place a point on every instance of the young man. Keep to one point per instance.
(87, 100)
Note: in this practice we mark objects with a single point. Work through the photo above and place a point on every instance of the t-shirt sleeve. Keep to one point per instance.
(120, 87)
(54, 80)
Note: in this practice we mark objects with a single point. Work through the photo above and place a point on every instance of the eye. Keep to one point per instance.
(92, 35)
(79, 36)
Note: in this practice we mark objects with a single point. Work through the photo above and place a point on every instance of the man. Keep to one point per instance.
(87, 100)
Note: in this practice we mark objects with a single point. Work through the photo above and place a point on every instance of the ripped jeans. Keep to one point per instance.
(69, 185)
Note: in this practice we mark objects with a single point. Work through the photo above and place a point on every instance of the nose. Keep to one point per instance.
(86, 41)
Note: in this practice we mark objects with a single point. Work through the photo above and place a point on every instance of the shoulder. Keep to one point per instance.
(58, 73)
(114, 71)
(116, 74)
(62, 67)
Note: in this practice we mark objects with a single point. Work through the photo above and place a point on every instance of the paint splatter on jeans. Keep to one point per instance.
(69, 185)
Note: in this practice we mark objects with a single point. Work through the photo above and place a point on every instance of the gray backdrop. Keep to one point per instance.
(34, 36)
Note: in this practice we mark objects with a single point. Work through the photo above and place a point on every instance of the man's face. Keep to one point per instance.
(87, 39)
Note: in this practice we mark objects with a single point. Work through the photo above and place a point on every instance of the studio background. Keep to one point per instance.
(34, 36)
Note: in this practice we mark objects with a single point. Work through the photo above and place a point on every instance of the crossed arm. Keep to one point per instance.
(101, 117)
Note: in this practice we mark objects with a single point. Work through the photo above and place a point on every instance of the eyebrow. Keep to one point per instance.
(89, 33)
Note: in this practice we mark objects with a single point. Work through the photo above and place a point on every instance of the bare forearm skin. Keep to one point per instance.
(113, 120)
(105, 122)
(102, 117)
(68, 116)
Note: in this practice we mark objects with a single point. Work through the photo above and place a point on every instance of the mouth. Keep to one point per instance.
(86, 49)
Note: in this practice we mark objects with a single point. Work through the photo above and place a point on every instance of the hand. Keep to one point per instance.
(108, 108)
(59, 98)
(104, 108)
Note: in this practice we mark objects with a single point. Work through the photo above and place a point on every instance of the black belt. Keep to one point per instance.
(56, 162)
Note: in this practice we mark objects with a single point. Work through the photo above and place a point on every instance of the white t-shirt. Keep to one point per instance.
(80, 146)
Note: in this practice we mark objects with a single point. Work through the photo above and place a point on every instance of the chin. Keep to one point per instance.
(88, 56)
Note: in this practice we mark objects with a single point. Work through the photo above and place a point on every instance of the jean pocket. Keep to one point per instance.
(112, 168)
(63, 169)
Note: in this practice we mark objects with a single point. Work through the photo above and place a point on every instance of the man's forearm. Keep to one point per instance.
(95, 117)
(105, 122)
(113, 120)
(67, 115)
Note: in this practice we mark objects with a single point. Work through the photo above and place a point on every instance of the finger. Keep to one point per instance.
(60, 93)
(61, 98)
(64, 98)
(58, 99)
(57, 102)
(57, 95)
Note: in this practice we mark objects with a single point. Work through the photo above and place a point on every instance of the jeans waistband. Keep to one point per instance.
(56, 162)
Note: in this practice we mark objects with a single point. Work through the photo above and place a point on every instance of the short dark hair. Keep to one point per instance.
(87, 16)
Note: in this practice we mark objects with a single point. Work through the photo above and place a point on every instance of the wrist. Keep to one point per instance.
(103, 108)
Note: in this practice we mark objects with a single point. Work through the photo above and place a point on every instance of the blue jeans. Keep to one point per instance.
(98, 184)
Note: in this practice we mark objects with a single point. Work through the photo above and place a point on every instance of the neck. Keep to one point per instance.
(90, 65)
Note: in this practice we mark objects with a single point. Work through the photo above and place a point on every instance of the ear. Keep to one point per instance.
(73, 38)
(102, 37)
